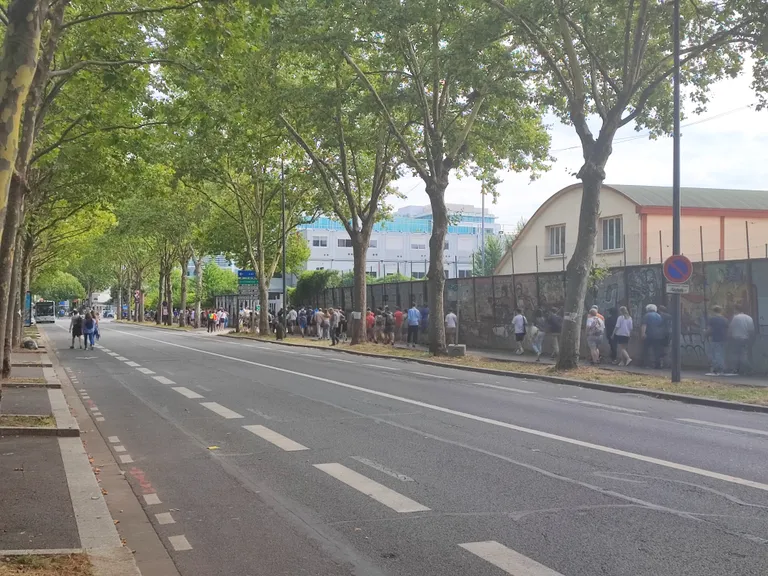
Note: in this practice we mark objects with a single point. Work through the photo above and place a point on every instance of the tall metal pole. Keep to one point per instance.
(482, 228)
(282, 217)
(676, 312)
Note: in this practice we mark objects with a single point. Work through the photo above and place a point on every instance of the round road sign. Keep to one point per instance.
(678, 269)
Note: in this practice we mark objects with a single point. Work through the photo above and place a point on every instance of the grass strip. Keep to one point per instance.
(65, 565)
(26, 421)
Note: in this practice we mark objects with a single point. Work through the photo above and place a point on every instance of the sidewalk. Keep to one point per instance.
(51, 504)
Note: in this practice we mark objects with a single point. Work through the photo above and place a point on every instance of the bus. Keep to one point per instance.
(45, 311)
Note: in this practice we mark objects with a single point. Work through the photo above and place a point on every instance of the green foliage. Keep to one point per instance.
(397, 277)
(495, 246)
(58, 286)
(313, 282)
(216, 282)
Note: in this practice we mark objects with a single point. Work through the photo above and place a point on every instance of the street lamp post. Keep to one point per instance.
(676, 311)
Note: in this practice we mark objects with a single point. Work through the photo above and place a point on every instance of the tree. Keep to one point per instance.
(461, 87)
(612, 60)
(217, 282)
(495, 246)
(58, 286)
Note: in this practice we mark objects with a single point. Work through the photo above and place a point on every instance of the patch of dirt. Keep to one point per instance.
(71, 565)
(24, 421)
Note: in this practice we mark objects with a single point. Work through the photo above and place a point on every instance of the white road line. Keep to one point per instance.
(152, 499)
(221, 410)
(344, 361)
(724, 426)
(180, 543)
(378, 492)
(132, 364)
(507, 559)
(114, 440)
(203, 388)
(94, 408)
(277, 439)
(164, 518)
(432, 375)
(505, 388)
(97, 414)
(82, 390)
(145, 370)
(114, 354)
(382, 468)
(265, 416)
(599, 405)
(163, 380)
(107, 350)
(100, 419)
(119, 448)
(474, 417)
(382, 367)
(126, 459)
(187, 392)
(85, 397)
(121, 358)
(312, 355)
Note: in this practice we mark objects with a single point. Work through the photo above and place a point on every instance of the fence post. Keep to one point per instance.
(701, 241)
(661, 254)
(746, 223)
(474, 295)
(514, 289)
(538, 292)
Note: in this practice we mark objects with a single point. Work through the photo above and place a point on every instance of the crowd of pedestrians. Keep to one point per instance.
(84, 328)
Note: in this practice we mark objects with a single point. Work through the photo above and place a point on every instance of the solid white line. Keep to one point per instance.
(507, 559)
(121, 358)
(145, 370)
(164, 518)
(505, 388)
(180, 543)
(119, 448)
(126, 459)
(163, 380)
(476, 418)
(345, 361)
(725, 426)
(114, 440)
(100, 419)
(312, 355)
(378, 492)
(187, 392)
(133, 364)
(599, 405)
(382, 468)
(221, 410)
(152, 499)
(277, 439)
(432, 375)
(382, 367)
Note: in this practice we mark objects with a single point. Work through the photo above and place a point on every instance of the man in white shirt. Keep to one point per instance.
(520, 324)
(451, 328)
(741, 334)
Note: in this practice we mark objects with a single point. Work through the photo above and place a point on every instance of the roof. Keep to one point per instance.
(695, 197)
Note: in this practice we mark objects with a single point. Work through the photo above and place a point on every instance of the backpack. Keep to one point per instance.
(597, 327)
(389, 320)
(89, 324)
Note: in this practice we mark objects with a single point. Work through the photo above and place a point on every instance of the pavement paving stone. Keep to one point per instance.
(27, 372)
(25, 401)
(35, 506)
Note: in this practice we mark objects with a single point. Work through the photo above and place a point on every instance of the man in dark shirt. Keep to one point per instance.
(717, 331)
(652, 333)
(610, 324)
(554, 328)
(666, 339)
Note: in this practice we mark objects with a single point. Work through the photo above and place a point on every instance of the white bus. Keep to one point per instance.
(45, 311)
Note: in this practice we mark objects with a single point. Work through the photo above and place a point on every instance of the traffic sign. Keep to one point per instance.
(678, 269)
(246, 273)
(678, 288)
(248, 281)
(249, 290)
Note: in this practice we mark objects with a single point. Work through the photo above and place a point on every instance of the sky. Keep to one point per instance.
(724, 147)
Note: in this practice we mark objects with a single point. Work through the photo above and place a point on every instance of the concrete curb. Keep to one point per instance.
(160, 327)
(43, 552)
(31, 385)
(686, 398)
(31, 365)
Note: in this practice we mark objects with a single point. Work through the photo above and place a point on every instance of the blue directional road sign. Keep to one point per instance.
(678, 269)
(246, 273)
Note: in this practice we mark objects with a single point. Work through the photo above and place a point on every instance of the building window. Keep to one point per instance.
(345, 242)
(417, 275)
(613, 233)
(372, 274)
(556, 238)
(320, 268)
(418, 246)
(373, 244)
(321, 241)
(446, 246)
(465, 273)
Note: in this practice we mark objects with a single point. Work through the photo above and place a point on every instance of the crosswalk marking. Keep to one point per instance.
(187, 392)
(378, 492)
(277, 439)
(507, 559)
(221, 410)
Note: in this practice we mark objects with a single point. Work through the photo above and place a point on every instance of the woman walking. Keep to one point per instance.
(595, 331)
(540, 323)
(621, 334)
(89, 329)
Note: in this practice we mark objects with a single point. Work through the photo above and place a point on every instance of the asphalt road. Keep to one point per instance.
(262, 460)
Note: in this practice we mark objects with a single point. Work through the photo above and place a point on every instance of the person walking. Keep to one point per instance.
(554, 328)
(741, 335)
(520, 324)
(652, 333)
(302, 322)
(389, 327)
(666, 336)
(595, 332)
(621, 334)
(414, 319)
(398, 323)
(370, 323)
(540, 323)
(612, 316)
(451, 328)
(717, 332)
(89, 328)
(76, 328)
(333, 324)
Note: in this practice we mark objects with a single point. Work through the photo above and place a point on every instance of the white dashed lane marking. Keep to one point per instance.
(505, 388)
(145, 370)
(121, 358)
(599, 405)
(100, 419)
(432, 375)
(114, 440)
(221, 410)
(126, 459)
(119, 448)
(163, 380)
(180, 543)
(371, 488)
(382, 367)
(507, 559)
(186, 392)
(164, 518)
(382, 468)
(152, 499)
(277, 439)
(723, 426)
(132, 364)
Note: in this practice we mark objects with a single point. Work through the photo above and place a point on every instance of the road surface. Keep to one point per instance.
(256, 459)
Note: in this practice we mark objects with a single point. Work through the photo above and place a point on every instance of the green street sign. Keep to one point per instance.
(248, 281)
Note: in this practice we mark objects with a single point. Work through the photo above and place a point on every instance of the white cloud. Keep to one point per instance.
(723, 148)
